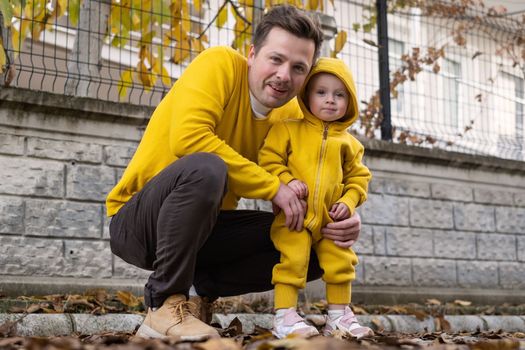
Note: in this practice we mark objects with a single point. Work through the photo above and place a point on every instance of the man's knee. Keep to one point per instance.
(208, 172)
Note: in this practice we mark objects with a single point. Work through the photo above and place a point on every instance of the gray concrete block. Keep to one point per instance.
(60, 218)
(105, 224)
(519, 199)
(431, 213)
(379, 240)
(477, 274)
(521, 248)
(40, 325)
(512, 275)
(89, 182)
(87, 259)
(91, 324)
(452, 192)
(122, 269)
(507, 323)
(30, 256)
(469, 323)
(248, 321)
(493, 197)
(365, 242)
(118, 155)
(24, 176)
(11, 215)
(402, 241)
(474, 217)
(406, 187)
(511, 220)
(410, 324)
(385, 210)
(64, 150)
(359, 274)
(11, 144)
(455, 245)
(387, 271)
(496, 246)
(434, 273)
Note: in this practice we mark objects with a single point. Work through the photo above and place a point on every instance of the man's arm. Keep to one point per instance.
(197, 107)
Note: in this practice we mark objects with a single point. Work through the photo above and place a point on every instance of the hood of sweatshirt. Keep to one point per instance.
(338, 68)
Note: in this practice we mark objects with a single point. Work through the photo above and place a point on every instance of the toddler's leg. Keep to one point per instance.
(339, 271)
(288, 277)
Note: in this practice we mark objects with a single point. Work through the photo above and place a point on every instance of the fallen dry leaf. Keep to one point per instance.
(462, 302)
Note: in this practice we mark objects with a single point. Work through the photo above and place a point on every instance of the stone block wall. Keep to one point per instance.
(435, 223)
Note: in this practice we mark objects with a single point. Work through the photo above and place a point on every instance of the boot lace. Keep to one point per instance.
(183, 309)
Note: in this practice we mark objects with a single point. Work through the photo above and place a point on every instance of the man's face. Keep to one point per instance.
(278, 70)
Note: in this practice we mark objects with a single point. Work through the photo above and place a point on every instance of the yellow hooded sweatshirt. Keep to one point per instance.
(328, 159)
(207, 110)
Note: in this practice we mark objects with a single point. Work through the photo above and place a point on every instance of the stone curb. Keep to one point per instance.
(65, 324)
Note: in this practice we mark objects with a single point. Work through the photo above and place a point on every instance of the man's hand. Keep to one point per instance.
(344, 233)
(339, 211)
(299, 187)
(294, 210)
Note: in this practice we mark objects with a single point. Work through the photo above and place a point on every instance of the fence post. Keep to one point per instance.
(85, 61)
(384, 70)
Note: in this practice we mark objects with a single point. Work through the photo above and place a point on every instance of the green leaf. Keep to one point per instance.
(7, 11)
(73, 11)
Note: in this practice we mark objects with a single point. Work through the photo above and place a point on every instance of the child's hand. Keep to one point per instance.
(299, 187)
(339, 212)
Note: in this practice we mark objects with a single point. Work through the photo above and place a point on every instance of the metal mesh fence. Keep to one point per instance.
(470, 99)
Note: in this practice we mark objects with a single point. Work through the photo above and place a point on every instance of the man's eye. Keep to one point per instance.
(300, 69)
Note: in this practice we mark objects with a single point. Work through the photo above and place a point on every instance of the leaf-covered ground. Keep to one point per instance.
(262, 340)
(233, 338)
(99, 301)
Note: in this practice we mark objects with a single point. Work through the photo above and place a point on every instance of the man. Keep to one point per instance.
(173, 209)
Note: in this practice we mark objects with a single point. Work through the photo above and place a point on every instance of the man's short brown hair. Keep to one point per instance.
(294, 21)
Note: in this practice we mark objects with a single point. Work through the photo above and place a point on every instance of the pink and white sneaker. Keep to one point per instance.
(289, 322)
(348, 324)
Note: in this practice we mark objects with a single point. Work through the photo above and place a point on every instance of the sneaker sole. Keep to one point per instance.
(147, 332)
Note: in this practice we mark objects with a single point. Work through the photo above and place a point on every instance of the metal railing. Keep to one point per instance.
(469, 98)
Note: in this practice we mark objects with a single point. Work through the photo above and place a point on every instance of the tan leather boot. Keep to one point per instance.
(203, 308)
(176, 319)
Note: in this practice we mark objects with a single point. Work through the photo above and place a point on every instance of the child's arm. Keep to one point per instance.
(273, 156)
(356, 177)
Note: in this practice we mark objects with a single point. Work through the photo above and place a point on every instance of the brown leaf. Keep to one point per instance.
(128, 298)
(370, 42)
(218, 344)
(359, 310)
(33, 308)
(462, 302)
(377, 324)
(433, 302)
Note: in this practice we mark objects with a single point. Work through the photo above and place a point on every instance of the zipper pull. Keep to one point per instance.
(325, 132)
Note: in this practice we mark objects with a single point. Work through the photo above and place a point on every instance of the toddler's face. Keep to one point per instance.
(327, 97)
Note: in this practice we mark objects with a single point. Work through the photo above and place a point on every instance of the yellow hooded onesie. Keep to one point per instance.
(328, 159)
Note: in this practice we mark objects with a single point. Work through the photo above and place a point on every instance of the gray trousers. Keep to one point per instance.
(174, 227)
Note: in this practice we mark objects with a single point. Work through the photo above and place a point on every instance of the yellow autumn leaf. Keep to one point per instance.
(15, 37)
(166, 79)
(3, 58)
(128, 299)
(340, 41)
(198, 5)
(196, 45)
(126, 80)
(182, 51)
(222, 17)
